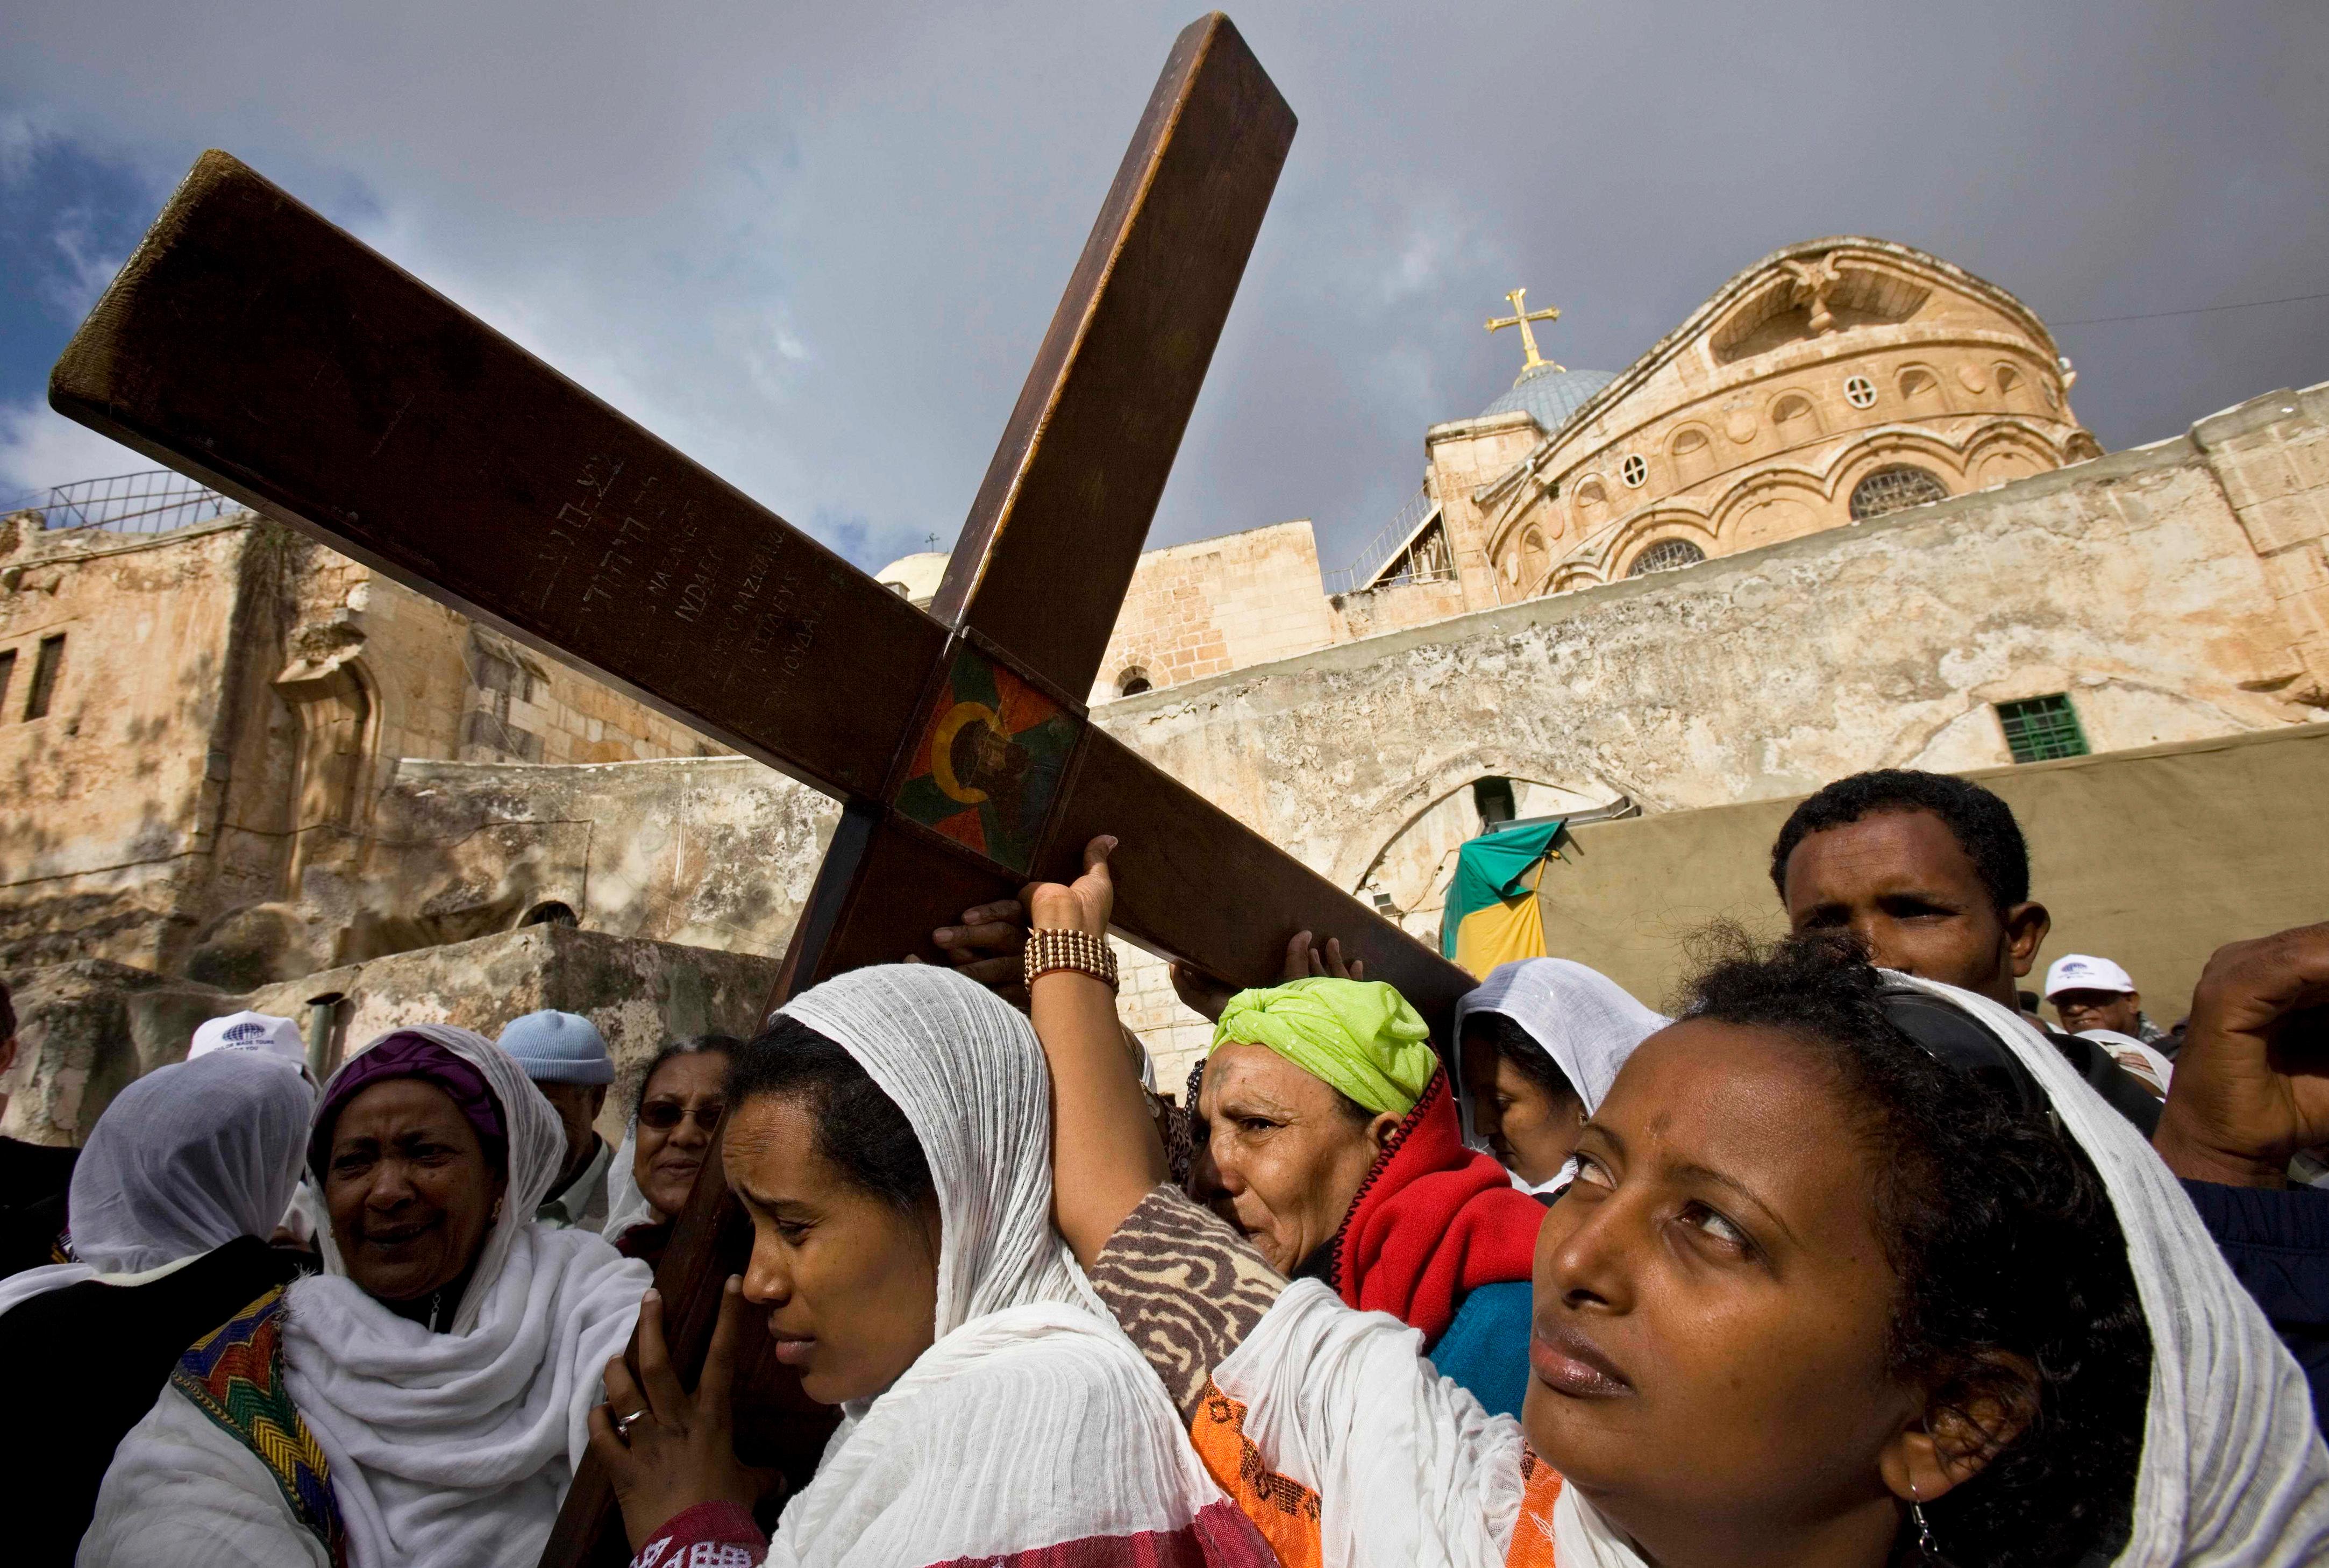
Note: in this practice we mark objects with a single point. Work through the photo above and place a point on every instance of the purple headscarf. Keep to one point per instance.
(410, 1055)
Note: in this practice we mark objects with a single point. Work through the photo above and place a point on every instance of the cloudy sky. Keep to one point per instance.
(815, 246)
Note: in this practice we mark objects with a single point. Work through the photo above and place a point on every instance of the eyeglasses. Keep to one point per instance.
(662, 1115)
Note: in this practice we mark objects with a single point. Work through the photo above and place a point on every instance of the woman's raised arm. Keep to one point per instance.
(1105, 1153)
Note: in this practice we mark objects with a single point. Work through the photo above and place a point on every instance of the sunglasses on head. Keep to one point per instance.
(1956, 1039)
(662, 1115)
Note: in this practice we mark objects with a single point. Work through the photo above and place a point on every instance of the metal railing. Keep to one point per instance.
(153, 501)
(1382, 549)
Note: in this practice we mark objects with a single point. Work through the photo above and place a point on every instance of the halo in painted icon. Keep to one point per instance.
(942, 750)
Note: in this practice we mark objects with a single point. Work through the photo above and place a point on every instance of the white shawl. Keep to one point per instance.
(445, 1449)
(1411, 1471)
(1586, 1023)
(1031, 1422)
(627, 1206)
(185, 1159)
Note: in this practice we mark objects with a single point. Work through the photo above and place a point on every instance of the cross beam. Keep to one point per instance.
(249, 344)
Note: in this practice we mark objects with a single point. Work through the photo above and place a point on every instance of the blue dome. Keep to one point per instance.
(1550, 396)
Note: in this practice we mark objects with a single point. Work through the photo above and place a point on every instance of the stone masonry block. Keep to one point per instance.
(2276, 524)
(2300, 569)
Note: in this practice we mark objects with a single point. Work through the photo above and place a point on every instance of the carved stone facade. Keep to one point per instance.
(1834, 381)
(195, 787)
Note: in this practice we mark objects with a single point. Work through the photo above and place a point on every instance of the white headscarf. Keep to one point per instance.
(627, 1206)
(444, 1448)
(185, 1159)
(1585, 1021)
(968, 1072)
(458, 1446)
(1030, 1421)
(2232, 1474)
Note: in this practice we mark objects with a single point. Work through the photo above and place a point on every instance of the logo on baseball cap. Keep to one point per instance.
(2079, 972)
(258, 1032)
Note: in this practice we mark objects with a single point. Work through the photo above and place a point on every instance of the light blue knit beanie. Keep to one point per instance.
(556, 1048)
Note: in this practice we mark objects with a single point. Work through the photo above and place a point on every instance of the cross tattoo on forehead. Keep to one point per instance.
(252, 345)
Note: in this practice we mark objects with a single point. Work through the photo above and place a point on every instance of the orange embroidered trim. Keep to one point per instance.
(1283, 1509)
(1532, 1531)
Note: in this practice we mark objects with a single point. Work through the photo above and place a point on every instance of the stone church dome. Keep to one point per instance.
(1550, 395)
(914, 578)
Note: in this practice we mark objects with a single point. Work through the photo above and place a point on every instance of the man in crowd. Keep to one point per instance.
(1932, 874)
(2091, 993)
(566, 1057)
(260, 1032)
(34, 1177)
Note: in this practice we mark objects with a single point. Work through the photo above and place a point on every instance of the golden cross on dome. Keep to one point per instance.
(1521, 318)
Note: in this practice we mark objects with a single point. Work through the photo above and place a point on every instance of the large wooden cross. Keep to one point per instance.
(252, 345)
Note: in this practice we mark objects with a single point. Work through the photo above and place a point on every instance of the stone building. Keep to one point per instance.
(245, 765)
(1834, 381)
(198, 714)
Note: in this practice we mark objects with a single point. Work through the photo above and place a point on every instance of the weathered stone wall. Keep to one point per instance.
(91, 1027)
(231, 707)
(112, 803)
(2154, 858)
(2132, 583)
(2128, 582)
(640, 994)
(1218, 604)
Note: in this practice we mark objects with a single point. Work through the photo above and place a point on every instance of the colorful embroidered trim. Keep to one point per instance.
(1283, 1509)
(234, 1375)
(1532, 1531)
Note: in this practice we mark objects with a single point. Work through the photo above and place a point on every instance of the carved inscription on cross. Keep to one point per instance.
(252, 345)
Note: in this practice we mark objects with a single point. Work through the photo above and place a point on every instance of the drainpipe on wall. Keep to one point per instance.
(322, 1050)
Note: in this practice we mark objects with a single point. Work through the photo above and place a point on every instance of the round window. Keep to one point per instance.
(1633, 470)
(1860, 392)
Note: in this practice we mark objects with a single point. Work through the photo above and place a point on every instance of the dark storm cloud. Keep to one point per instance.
(816, 246)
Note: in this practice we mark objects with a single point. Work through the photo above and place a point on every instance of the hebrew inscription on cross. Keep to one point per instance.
(252, 345)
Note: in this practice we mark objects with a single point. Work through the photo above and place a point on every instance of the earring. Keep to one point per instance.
(497, 1210)
(1928, 1554)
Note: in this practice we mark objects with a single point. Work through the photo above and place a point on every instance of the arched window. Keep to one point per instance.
(1792, 416)
(1133, 681)
(1859, 391)
(552, 913)
(1591, 494)
(1665, 555)
(2012, 390)
(1894, 489)
(1918, 388)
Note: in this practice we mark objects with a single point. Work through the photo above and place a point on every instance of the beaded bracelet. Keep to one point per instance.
(1064, 949)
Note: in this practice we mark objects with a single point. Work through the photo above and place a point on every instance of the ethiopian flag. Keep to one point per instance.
(1492, 917)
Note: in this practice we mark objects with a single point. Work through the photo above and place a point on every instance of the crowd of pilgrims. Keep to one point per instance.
(1852, 1262)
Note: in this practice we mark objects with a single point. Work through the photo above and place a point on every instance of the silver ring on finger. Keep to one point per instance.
(623, 1423)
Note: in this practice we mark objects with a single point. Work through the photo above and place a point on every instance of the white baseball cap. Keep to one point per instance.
(260, 1032)
(2078, 972)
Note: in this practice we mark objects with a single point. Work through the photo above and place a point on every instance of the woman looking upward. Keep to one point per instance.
(1978, 1321)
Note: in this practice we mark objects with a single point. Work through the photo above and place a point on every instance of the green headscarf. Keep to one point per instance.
(1359, 1035)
